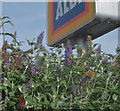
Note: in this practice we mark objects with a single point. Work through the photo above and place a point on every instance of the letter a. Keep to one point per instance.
(59, 10)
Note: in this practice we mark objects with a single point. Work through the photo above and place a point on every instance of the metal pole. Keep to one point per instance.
(84, 42)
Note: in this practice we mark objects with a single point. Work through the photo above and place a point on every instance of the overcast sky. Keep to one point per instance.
(30, 20)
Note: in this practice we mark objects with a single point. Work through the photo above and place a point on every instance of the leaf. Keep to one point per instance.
(9, 22)
(14, 38)
(11, 94)
(98, 89)
(12, 103)
(1, 24)
(64, 82)
(33, 102)
(9, 34)
(115, 97)
(53, 88)
(110, 55)
(30, 42)
(5, 17)
(95, 45)
(29, 51)
(45, 99)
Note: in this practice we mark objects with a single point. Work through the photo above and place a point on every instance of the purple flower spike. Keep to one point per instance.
(24, 60)
(105, 61)
(34, 69)
(85, 78)
(98, 54)
(6, 58)
(40, 38)
(68, 52)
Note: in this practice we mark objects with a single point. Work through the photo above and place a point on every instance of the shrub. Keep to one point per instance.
(41, 79)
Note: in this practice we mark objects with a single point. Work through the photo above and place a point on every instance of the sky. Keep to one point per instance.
(29, 19)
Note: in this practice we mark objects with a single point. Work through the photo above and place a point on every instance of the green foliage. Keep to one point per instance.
(90, 82)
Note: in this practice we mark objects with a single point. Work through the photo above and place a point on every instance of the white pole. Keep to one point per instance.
(82, 41)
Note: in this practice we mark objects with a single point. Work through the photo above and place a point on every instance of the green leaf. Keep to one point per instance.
(53, 88)
(45, 99)
(9, 34)
(110, 55)
(9, 22)
(1, 24)
(115, 97)
(5, 17)
(12, 103)
(11, 94)
(28, 42)
(64, 82)
(33, 102)
(98, 89)
(29, 51)
(95, 45)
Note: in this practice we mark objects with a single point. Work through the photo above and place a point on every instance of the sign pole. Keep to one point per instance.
(119, 37)
(85, 42)
(82, 42)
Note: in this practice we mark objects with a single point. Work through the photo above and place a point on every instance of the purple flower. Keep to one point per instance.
(20, 60)
(113, 75)
(6, 62)
(73, 89)
(34, 69)
(7, 59)
(105, 61)
(18, 49)
(40, 38)
(24, 60)
(35, 62)
(85, 78)
(98, 50)
(68, 52)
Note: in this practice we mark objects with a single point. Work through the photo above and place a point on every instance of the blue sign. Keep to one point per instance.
(65, 11)
(65, 17)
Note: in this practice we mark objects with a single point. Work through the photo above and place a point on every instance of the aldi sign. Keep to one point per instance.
(66, 17)
(66, 11)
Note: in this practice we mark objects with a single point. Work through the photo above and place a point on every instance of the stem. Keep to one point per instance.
(105, 91)
(69, 79)
(3, 31)
(108, 98)
(58, 85)
(26, 68)
(71, 100)
(107, 82)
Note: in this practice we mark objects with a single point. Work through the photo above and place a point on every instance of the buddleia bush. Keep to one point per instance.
(58, 78)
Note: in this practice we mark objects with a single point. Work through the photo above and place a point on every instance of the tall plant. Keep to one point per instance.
(42, 79)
